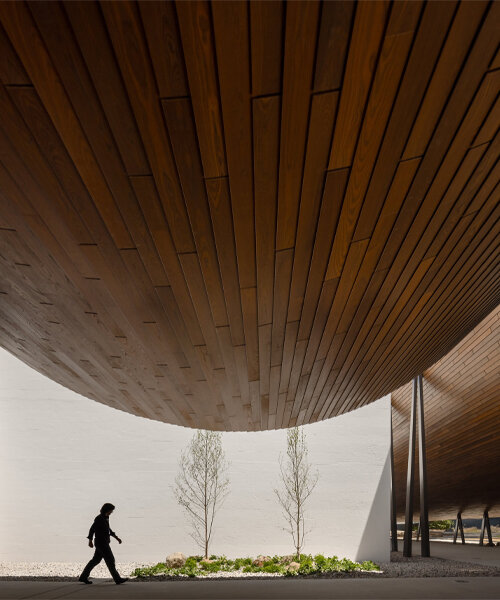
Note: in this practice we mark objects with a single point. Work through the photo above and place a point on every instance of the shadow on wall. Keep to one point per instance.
(377, 529)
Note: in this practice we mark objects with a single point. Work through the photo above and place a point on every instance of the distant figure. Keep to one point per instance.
(101, 530)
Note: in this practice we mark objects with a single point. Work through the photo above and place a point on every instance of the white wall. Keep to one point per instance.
(62, 456)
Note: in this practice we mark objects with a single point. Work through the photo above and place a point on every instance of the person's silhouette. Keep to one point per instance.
(102, 533)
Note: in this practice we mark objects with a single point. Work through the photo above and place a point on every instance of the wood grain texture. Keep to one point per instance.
(461, 411)
(246, 215)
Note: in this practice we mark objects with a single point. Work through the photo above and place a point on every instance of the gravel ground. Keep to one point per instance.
(398, 567)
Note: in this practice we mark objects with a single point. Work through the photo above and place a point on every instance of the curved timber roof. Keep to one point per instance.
(462, 428)
(239, 215)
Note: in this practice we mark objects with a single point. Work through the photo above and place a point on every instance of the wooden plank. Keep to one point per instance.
(171, 309)
(318, 347)
(469, 179)
(476, 113)
(24, 157)
(74, 318)
(162, 34)
(323, 109)
(283, 273)
(67, 59)
(388, 215)
(327, 224)
(408, 355)
(300, 37)
(122, 19)
(442, 386)
(30, 48)
(222, 222)
(241, 367)
(334, 33)
(489, 127)
(273, 395)
(93, 41)
(264, 358)
(266, 39)
(280, 411)
(450, 291)
(231, 40)
(465, 88)
(320, 318)
(417, 72)
(354, 259)
(266, 148)
(152, 210)
(453, 54)
(249, 308)
(392, 103)
(466, 231)
(460, 252)
(194, 279)
(291, 331)
(11, 69)
(199, 55)
(483, 308)
(369, 25)
(182, 135)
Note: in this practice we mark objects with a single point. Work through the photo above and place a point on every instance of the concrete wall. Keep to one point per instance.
(62, 456)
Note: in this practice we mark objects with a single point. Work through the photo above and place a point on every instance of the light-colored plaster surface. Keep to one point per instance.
(62, 456)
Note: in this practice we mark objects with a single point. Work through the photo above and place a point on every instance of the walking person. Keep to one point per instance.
(102, 533)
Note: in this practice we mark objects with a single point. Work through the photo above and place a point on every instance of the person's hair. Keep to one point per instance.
(106, 508)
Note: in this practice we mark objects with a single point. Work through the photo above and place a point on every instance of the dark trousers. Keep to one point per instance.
(102, 551)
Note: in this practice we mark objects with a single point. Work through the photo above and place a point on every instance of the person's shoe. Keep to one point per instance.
(87, 581)
(122, 580)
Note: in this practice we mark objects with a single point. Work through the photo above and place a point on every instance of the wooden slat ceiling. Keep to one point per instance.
(462, 422)
(246, 216)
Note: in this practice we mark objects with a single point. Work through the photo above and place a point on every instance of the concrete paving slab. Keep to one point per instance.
(442, 588)
(473, 553)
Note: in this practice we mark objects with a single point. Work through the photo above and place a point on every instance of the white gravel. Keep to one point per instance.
(58, 570)
(398, 567)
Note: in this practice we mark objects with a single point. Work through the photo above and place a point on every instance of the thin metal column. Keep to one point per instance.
(394, 526)
(410, 475)
(422, 468)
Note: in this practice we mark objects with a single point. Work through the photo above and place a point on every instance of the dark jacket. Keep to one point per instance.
(101, 530)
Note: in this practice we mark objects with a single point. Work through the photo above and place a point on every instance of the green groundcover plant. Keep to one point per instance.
(309, 565)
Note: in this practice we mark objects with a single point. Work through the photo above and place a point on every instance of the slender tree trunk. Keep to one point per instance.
(298, 533)
(206, 515)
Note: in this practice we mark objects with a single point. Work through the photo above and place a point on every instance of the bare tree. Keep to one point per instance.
(201, 484)
(298, 480)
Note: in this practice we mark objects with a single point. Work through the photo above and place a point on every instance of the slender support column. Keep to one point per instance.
(422, 467)
(410, 475)
(485, 525)
(459, 526)
(394, 526)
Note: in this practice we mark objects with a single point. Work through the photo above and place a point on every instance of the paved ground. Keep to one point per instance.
(428, 588)
(472, 553)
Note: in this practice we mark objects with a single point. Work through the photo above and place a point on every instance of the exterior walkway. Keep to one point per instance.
(353, 589)
(468, 552)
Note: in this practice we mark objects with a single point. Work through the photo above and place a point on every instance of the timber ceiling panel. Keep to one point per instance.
(239, 215)
(462, 416)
